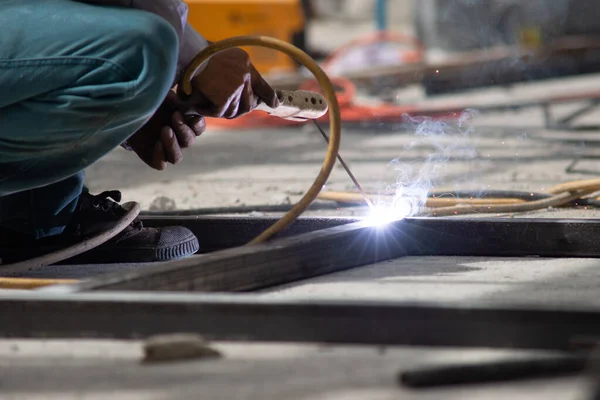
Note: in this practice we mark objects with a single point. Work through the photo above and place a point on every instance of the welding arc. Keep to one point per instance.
(346, 167)
(328, 92)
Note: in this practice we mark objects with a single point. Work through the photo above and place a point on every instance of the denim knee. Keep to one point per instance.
(93, 83)
(156, 49)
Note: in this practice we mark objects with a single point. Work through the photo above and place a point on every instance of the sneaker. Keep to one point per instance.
(94, 214)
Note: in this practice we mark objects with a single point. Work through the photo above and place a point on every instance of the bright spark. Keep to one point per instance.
(381, 215)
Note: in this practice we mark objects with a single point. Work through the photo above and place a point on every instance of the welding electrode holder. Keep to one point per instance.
(294, 105)
(330, 99)
(297, 105)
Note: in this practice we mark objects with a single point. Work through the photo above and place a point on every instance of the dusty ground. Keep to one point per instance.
(99, 370)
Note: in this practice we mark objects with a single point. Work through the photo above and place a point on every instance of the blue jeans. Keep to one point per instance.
(76, 80)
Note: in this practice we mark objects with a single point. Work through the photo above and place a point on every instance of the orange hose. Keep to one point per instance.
(414, 56)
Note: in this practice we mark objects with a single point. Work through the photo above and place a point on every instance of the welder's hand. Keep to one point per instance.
(230, 86)
(171, 129)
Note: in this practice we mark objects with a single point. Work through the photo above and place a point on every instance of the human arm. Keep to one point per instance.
(228, 85)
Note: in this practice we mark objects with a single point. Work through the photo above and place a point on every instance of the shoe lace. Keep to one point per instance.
(108, 201)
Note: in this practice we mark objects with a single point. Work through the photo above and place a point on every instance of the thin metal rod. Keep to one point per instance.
(341, 160)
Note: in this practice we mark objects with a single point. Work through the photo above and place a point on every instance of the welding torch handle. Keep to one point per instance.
(297, 105)
(294, 105)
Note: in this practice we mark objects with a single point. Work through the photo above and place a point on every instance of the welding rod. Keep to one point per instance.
(302, 105)
(341, 160)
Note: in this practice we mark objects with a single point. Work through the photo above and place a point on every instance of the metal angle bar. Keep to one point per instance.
(259, 266)
(218, 233)
(242, 210)
(137, 315)
(347, 246)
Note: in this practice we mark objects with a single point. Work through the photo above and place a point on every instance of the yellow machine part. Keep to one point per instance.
(221, 19)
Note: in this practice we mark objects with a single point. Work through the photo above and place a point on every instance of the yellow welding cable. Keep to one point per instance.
(453, 206)
(563, 194)
(587, 184)
(353, 197)
(554, 201)
(332, 102)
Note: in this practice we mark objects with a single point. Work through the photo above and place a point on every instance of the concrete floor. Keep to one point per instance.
(65, 370)
(514, 281)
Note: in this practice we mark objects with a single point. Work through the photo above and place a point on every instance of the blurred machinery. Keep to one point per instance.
(458, 25)
(281, 19)
(463, 29)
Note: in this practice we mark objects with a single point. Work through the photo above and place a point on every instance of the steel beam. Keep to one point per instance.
(347, 246)
(248, 318)
(219, 233)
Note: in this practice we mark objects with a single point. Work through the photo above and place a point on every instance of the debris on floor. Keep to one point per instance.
(177, 347)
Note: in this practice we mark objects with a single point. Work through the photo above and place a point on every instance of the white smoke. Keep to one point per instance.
(435, 141)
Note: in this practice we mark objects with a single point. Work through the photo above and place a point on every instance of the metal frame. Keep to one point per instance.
(219, 233)
(127, 306)
(342, 247)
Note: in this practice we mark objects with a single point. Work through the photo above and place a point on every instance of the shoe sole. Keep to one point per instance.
(181, 250)
(137, 255)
